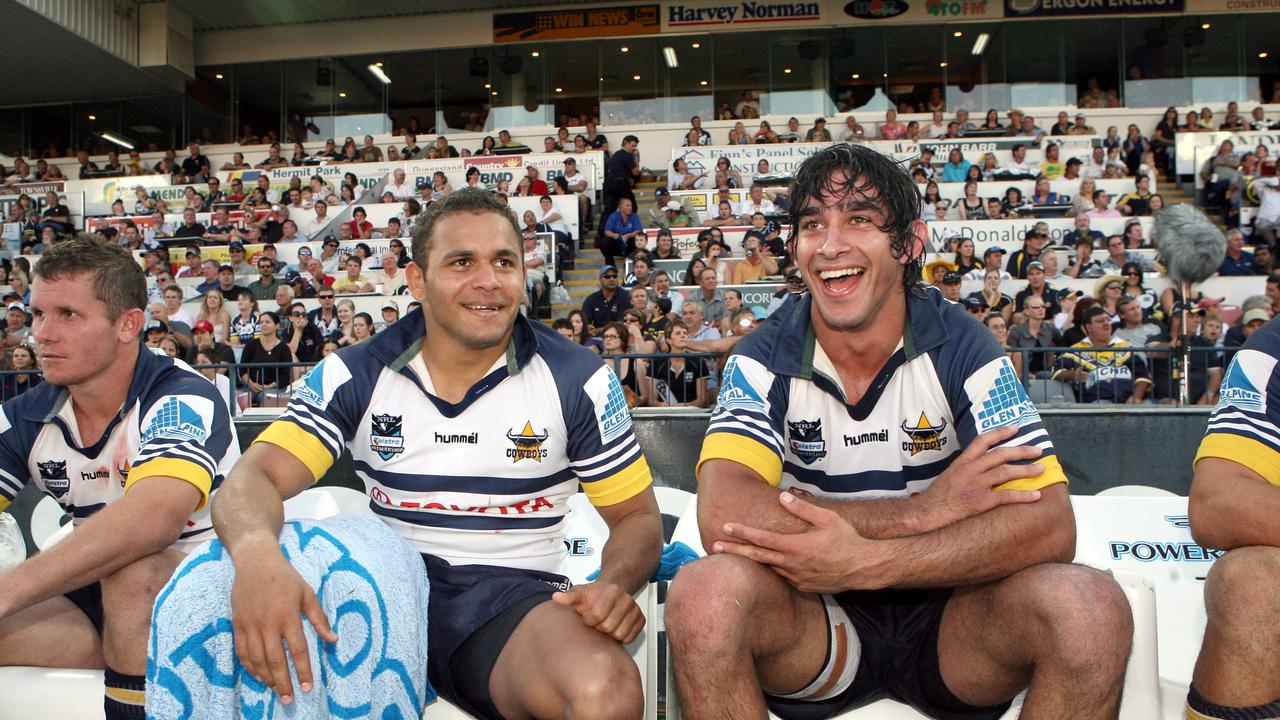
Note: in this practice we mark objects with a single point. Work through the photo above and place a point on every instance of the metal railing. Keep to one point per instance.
(1165, 388)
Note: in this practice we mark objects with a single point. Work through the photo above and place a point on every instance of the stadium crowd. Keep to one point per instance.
(668, 345)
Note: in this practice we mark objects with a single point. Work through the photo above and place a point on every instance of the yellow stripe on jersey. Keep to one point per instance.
(300, 444)
(4, 503)
(175, 468)
(1262, 458)
(622, 485)
(1052, 474)
(744, 451)
(1193, 715)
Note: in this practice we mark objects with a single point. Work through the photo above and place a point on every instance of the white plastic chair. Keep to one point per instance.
(34, 692)
(46, 520)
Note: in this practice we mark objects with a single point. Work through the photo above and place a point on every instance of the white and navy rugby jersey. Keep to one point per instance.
(172, 424)
(1245, 426)
(781, 410)
(485, 481)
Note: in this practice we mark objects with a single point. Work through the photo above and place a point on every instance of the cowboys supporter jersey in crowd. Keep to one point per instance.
(1245, 426)
(172, 424)
(485, 481)
(781, 410)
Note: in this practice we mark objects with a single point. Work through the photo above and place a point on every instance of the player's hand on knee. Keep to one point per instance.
(606, 608)
(967, 487)
(268, 601)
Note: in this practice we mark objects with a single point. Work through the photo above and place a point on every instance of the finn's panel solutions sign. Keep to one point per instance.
(680, 15)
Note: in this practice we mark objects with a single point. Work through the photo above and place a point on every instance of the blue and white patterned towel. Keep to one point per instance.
(373, 589)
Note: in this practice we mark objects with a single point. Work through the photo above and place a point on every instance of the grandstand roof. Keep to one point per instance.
(232, 14)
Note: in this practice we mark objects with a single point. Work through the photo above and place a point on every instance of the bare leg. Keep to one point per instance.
(54, 633)
(737, 629)
(1062, 631)
(553, 666)
(1238, 664)
(127, 598)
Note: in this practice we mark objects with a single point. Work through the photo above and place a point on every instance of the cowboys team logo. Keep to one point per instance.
(385, 436)
(528, 444)
(924, 435)
(54, 475)
(806, 440)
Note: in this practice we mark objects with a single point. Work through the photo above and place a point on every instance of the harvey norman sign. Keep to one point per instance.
(707, 14)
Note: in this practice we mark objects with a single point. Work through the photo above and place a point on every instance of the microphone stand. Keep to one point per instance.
(1182, 368)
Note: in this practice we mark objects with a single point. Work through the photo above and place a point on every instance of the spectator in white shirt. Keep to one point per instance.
(756, 202)
(397, 187)
(1018, 164)
(1097, 165)
(853, 131)
(938, 127)
(1268, 217)
(315, 225)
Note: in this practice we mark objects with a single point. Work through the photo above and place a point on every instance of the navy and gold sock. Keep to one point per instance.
(1200, 709)
(124, 696)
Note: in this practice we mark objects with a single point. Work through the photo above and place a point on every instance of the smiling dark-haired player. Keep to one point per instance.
(919, 548)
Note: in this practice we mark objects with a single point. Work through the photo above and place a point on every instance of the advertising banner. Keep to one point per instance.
(1064, 8)
(569, 24)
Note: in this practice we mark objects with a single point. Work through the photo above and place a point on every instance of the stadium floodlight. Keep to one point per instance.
(114, 138)
(980, 43)
(669, 54)
(378, 73)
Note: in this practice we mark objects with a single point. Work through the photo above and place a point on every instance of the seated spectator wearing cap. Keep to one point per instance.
(1111, 376)
(607, 304)
(15, 324)
(301, 287)
(657, 213)
(1037, 287)
(992, 259)
(950, 286)
(994, 301)
(674, 216)
(1081, 127)
(153, 332)
(239, 265)
(1033, 244)
(819, 132)
(204, 340)
(227, 283)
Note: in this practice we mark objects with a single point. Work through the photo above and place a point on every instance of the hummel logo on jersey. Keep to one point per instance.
(384, 436)
(924, 435)
(528, 444)
(736, 392)
(806, 440)
(54, 475)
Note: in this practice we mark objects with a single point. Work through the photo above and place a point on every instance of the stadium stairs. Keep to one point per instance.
(584, 278)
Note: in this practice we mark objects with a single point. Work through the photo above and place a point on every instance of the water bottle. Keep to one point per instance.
(13, 549)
